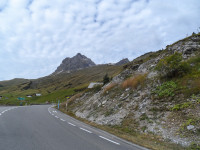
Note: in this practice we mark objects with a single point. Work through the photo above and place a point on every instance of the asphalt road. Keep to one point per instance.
(42, 127)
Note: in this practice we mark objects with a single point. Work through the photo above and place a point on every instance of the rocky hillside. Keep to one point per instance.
(157, 94)
(75, 63)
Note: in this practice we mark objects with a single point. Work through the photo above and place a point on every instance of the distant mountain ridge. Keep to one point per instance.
(75, 63)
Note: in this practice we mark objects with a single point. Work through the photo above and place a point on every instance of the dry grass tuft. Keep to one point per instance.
(195, 86)
(133, 82)
(73, 98)
(109, 87)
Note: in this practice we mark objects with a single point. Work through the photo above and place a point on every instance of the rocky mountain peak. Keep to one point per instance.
(122, 62)
(77, 62)
(80, 55)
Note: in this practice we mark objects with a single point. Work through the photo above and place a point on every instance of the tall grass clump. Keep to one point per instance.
(109, 87)
(73, 98)
(134, 81)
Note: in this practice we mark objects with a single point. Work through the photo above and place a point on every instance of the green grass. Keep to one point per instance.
(53, 97)
(11, 99)
(181, 106)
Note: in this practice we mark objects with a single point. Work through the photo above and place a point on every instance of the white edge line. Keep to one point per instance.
(62, 119)
(109, 140)
(71, 124)
(85, 130)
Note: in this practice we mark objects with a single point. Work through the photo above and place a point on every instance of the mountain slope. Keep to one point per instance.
(55, 86)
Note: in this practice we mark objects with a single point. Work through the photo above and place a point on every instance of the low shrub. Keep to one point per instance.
(166, 89)
(172, 66)
(178, 107)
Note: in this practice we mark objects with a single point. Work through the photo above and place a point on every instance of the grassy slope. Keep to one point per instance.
(54, 87)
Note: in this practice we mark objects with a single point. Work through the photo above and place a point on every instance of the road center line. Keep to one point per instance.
(71, 124)
(85, 130)
(56, 116)
(62, 119)
(109, 140)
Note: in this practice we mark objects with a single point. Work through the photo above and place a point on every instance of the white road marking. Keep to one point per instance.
(109, 140)
(0, 114)
(56, 116)
(52, 114)
(71, 124)
(85, 130)
(62, 119)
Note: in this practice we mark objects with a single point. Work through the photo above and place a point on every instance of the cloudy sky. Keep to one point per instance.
(36, 35)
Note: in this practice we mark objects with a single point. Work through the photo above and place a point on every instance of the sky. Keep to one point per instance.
(36, 35)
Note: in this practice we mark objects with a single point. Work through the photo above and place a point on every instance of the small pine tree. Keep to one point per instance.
(106, 79)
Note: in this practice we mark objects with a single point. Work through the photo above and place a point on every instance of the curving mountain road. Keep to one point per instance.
(41, 127)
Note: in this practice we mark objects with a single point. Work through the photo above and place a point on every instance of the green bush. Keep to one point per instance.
(172, 66)
(166, 89)
(181, 106)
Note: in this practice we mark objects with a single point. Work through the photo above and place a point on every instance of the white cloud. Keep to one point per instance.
(35, 35)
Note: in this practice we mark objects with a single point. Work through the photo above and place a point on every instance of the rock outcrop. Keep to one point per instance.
(188, 46)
